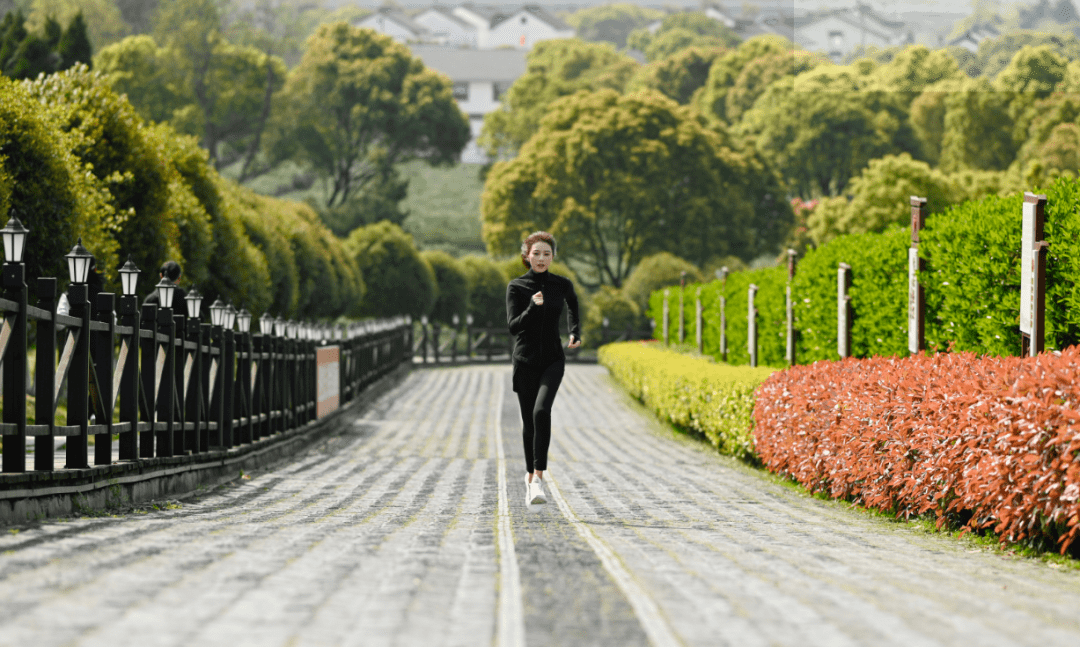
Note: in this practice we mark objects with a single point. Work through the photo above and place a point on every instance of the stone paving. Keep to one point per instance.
(410, 528)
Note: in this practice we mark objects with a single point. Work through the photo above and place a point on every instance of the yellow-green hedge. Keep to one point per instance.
(715, 400)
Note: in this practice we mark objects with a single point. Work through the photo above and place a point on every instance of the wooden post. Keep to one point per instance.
(45, 375)
(1033, 251)
(436, 335)
(667, 317)
(15, 369)
(682, 308)
(722, 274)
(101, 350)
(698, 320)
(179, 435)
(843, 311)
(166, 404)
(790, 309)
(148, 372)
(751, 325)
(79, 380)
(193, 400)
(916, 305)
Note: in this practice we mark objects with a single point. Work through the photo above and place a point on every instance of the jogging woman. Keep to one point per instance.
(534, 302)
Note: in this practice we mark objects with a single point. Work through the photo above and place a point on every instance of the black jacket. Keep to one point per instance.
(536, 328)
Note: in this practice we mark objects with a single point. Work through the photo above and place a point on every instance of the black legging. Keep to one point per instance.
(536, 389)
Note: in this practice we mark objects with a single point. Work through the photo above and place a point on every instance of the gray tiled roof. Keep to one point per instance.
(473, 64)
(535, 10)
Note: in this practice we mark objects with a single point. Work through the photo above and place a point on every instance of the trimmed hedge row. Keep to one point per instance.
(982, 442)
(971, 282)
(714, 400)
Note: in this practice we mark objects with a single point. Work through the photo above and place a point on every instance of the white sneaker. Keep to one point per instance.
(528, 490)
(536, 492)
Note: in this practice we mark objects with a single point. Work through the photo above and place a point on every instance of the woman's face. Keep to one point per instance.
(540, 256)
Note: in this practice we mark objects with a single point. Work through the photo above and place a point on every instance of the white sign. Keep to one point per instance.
(751, 322)
(790, 327)
(913, 300)
(1027, 269)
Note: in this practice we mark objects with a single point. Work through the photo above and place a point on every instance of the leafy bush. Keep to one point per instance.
(982, 442)
(398, 279)
(611, 304)
(656, 272)
(487, 290)
(695, 394)
(452, 284)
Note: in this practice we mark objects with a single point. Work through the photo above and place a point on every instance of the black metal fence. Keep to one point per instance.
(165, 384)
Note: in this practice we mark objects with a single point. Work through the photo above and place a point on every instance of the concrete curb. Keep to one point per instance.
(32, 496)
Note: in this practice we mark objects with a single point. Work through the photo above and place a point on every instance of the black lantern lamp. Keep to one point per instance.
(129, 277)
(290, 329)
(165, 290)
(266, 324)
(230, 317)
(243, 320)
(14, 234)
(194, 303)
(468, 320)
(279, 326)
(456, 319)
(78, 260)
(217, 312)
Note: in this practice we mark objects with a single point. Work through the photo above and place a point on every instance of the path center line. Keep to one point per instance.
(511, 628)
(645, 608)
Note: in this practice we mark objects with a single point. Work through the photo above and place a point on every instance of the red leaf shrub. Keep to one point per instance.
(983, 442)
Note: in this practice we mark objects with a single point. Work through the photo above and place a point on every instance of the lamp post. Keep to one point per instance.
(197, 438)
(15, 365)
(245, 356)
(78, 262)
(167, 444)
(128, 316)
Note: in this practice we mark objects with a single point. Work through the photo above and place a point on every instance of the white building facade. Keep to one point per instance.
(480, 78)
(446, 28)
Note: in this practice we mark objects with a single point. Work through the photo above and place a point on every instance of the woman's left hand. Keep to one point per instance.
(574, 342)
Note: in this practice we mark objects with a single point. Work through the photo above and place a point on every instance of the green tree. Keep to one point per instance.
(110, 140)
(74, 45)
(381, 200)
(678, 76)
(103, 21)
(977, 129)
(556, 68)
(487, 290)
(452, 286)
(624, 177)
(1052, 119)
(138, 14)
(47, 186)
(611, 22)
(680, 30)
(995, 54)
(620, 311)
(191, 76)
(656, 272)
(881, 198)
(358, 104)
(726, 70)
(398, 279)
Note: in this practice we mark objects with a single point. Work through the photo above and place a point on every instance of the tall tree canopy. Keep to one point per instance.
(358, 104)
(621, 177)
(681, 30)
(556, 68)
(611, 22)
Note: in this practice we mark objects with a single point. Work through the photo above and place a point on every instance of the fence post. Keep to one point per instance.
(843, 311)
(1033, 251)
(436, 329)
(79, 380)
(916, 305)
(698, 320)
(604, 330)
(789, 308)
(453, 343)
(468, 337)
(166, 404)
(179, 435)
(45, 375)
(721, 274)
(101, 351)
(667, 317)
(148, 372)
(751, 324)
(682, 309)
(15, 369)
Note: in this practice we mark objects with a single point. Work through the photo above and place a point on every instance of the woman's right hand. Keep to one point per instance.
(538, 298)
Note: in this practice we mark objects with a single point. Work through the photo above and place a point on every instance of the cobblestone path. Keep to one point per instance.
(409, 528)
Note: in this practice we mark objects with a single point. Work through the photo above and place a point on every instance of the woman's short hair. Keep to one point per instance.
(532, 239)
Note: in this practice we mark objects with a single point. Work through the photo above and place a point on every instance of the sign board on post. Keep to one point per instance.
(327, 380)
(698, 320)
(722, 275)
(1032, 273)
(790, 310)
